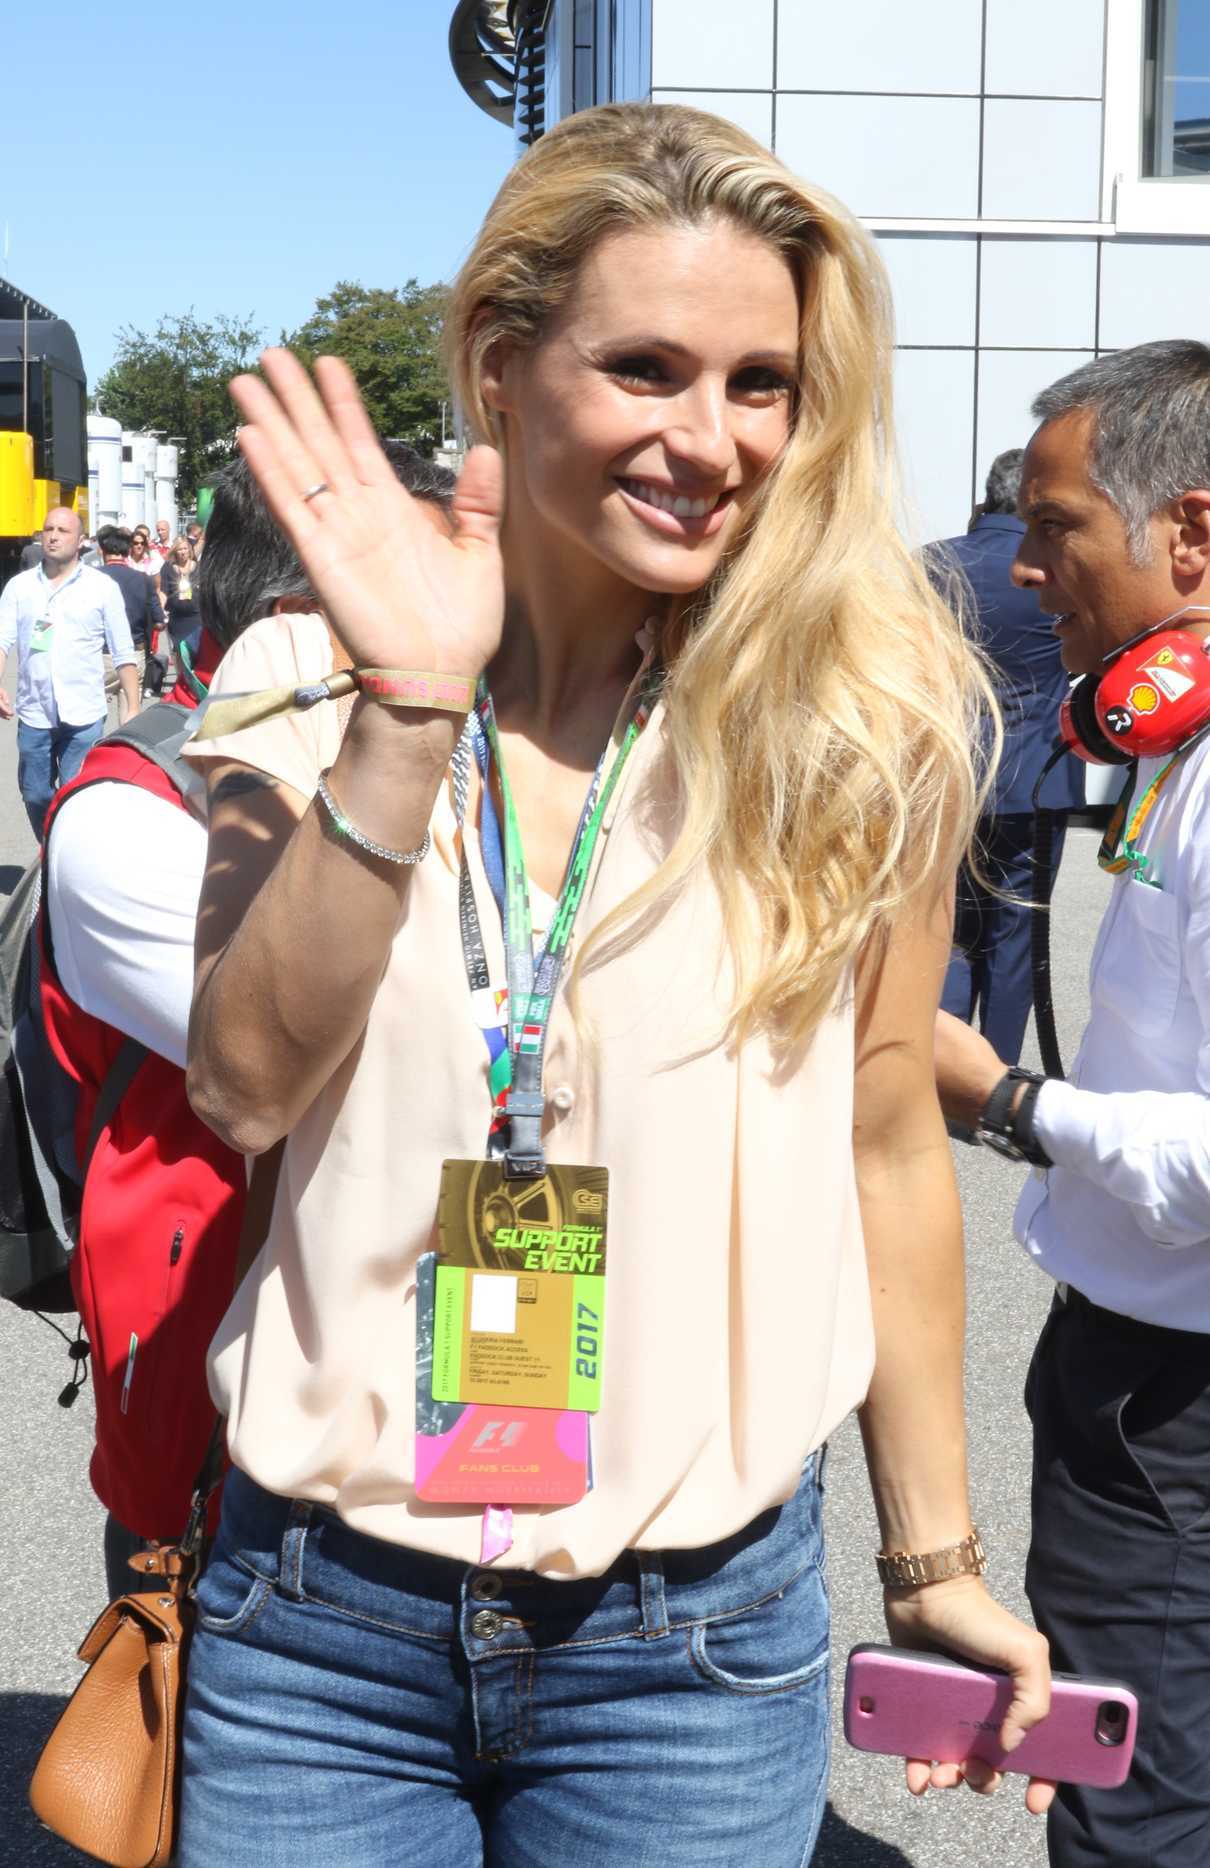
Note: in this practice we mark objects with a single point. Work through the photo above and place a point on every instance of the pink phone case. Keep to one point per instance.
(911, 1705)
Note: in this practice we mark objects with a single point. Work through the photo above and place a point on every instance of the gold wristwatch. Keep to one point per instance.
(906, 1569)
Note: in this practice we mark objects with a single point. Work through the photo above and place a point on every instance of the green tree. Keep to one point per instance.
(175, 379)
(391, 340)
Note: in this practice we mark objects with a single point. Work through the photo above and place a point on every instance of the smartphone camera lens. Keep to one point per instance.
(1112, 1719)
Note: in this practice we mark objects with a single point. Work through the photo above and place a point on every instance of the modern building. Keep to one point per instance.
(1037, 172)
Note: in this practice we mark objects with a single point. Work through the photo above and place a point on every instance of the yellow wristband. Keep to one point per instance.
(394, 687)
(407, 687)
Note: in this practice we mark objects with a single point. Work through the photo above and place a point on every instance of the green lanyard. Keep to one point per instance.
(532, 983)
(1119, 849)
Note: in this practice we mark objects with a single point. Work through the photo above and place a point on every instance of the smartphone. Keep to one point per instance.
(912, 1705)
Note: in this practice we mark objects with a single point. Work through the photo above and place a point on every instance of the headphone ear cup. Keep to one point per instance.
(1082, 704)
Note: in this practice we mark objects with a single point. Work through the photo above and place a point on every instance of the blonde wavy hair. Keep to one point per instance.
(823, 709)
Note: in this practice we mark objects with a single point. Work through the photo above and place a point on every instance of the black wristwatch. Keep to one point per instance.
(1011, 1131)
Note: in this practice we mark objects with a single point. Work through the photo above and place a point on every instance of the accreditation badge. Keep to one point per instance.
(519, 1312)
(39, 637)
(468, 1454)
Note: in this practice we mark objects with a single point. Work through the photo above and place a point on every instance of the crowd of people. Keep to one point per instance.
(589, 855)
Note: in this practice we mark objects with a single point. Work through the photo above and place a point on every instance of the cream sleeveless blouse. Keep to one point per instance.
(739, 1324)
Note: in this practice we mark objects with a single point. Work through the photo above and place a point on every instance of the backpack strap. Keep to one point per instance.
(118, 1079)
(159, 733)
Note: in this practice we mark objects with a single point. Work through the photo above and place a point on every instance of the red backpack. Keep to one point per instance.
(154, 1263)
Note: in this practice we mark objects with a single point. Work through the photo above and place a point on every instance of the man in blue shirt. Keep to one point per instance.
(63, 618)
(989, 976)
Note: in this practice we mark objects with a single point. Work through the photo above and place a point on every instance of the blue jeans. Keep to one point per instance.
(47, 757)
(353, 1703)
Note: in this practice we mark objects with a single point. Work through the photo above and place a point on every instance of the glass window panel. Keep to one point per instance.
(10, 398)
(1176, 90)
(12, 405)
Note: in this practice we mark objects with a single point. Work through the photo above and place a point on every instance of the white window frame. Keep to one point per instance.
(1133, 202)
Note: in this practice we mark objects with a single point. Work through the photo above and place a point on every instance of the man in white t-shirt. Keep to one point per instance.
(157, 554)
(63, 618)
(1116, 498)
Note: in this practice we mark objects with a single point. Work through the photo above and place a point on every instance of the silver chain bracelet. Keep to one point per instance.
(345, 828)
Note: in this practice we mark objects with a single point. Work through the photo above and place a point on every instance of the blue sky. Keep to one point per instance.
(235, 158)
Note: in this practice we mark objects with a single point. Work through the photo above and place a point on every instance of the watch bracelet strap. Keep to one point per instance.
(994, 1113)
(1022, 1128)
(1013, 1134)
(906, 1569)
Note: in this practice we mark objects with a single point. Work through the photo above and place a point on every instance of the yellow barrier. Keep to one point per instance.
(19, 514)
(24, 501)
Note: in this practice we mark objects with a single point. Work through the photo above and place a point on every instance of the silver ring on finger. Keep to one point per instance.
(313, 492)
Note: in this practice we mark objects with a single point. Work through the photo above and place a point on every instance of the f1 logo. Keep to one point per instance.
(497, 1434)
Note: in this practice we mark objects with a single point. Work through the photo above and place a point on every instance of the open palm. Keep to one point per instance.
(397, 593)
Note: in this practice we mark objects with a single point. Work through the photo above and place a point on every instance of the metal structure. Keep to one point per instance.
(528, 63)
(483, 52)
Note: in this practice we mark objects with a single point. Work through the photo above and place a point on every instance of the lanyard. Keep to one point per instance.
(1119, 853)
(485, 1003)
(515, 1075)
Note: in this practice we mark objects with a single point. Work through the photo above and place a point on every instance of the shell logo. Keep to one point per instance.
(1143, 697)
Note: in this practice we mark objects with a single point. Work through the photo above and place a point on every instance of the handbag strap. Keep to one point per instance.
(209, 1475)
(258, 1210)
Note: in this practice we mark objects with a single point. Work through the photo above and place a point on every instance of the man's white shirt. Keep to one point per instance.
(64, 684)
(1124, 1214)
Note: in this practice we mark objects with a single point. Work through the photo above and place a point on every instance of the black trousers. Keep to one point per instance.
(1119, 1568)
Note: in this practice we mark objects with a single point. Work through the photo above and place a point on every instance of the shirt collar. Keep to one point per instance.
(67, 583)
(999, 522)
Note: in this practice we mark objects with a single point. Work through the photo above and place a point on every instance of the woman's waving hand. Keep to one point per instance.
(398, 593)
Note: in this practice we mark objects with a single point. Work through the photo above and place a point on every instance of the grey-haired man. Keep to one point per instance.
(1116, 499)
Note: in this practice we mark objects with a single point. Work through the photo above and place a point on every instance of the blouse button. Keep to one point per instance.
(563, 1099)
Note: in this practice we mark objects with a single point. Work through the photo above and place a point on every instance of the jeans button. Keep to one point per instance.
(486, 1588)
(486, 1624)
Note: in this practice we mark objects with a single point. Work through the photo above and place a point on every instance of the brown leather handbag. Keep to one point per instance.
(107, 1780)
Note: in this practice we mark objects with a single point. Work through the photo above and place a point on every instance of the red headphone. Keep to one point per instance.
(1153, 697)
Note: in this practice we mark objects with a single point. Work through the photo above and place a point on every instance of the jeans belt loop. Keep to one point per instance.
(652, 1601)
(293, 1539)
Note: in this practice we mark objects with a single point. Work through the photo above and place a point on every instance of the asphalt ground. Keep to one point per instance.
(52, 1581)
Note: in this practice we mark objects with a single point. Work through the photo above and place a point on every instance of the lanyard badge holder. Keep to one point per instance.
(511, 1313)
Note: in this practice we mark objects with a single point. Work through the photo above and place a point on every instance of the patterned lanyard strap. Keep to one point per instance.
(1114, 860)
(486, 1003)
(516, 1059)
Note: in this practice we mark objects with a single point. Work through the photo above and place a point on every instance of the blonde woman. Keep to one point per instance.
(178, 580)
(679, 355)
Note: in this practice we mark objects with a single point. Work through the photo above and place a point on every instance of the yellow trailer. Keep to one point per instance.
(43, 420)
